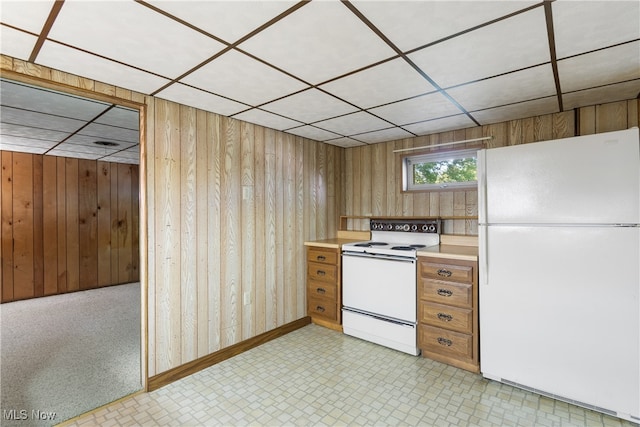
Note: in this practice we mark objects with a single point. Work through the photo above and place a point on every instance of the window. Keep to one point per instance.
(437, 171)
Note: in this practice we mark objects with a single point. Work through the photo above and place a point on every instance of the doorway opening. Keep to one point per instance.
(72, 247)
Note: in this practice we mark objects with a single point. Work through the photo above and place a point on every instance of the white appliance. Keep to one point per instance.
(379, 293)
(559, 245)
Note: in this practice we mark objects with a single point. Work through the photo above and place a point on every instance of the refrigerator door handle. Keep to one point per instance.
(482, 187)
(483, 259)
(482, 216)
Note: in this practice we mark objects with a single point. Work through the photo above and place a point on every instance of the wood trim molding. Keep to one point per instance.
(194, 366)
(62, 87)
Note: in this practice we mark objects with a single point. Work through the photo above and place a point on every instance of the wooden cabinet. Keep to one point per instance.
(324, 295)
(448, 311)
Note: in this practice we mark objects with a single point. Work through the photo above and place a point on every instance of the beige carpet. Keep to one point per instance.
(64, 355)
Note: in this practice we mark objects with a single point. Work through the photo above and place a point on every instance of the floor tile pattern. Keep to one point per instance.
(318, 377)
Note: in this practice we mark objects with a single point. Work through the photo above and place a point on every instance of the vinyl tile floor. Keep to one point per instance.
(318, 377)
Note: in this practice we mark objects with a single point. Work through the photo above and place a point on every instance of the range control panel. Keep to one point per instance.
(406, 225)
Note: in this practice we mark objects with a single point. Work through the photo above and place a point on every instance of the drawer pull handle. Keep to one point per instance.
(445, 292)
(320, 309)
(321, 290)
(320, 273)
(445, 317)
(445, 342)
(321, 258)
(444, 273)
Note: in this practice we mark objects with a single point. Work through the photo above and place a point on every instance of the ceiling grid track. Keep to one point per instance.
(348, 73)
(55, 10)
(552, 51)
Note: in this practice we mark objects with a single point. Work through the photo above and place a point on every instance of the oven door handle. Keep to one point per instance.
(379, 256)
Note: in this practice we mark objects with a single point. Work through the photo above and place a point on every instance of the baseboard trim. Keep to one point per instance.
(194, 366)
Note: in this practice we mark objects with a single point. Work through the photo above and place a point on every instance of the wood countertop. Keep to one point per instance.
(452, 247)
(343, 238)
(467, 253)
(335, 243)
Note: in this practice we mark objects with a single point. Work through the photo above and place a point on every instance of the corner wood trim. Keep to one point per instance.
(194, 366)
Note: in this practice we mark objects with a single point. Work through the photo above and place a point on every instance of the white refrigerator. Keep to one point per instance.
(559, 246)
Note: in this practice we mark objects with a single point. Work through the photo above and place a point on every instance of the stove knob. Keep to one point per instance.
(389, 227)
(414, 227)
(432, 228)
(405, 227)
(425, 227)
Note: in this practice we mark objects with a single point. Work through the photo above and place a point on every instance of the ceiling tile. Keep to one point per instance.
(89, 140)
(119, 159)
(517, 111)
(97, 130)
(352, 124)
(132, 152)
(73, 154)
(383, 135)
(417, 109)
(241, 78)
(312, 132)
(6, 146)
(345, 142)
(389, 82)
(32, 119)
(27, 15)
(74, 61)
(514, 43)
(133, 34)
(32, 132)
(536, 82)
(266, 119)
(31, 98)
(498, 71)
(309, 106)
(14, 141)
(582, 26)
(410, 24)
(459, 121)
(600, 95)
(319, 41)
(121, 117)
(228, 20)
(16, 43)
(613, 65)
(98, 150)
(198, 98)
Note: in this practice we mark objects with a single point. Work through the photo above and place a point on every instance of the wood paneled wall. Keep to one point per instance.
(372, 185)
(67, 225)
(227, 206)
(230, 205)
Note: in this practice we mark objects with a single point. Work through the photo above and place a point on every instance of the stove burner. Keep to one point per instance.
(404, 248)
(370, 244)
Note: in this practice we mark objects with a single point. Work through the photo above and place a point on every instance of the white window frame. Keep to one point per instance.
(407, 170)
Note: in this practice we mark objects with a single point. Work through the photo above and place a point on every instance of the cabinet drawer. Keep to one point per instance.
(446, 342)
(322, 307)
(448, 317)
(327, 256)
(456, 273)
(321, 289)
(323, 272)
(450, 293)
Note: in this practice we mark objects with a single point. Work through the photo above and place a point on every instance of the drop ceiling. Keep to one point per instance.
(347, 73)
